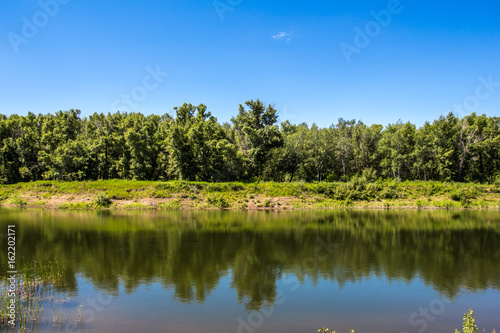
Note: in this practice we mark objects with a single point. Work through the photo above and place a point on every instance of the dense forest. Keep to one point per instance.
(193, 145)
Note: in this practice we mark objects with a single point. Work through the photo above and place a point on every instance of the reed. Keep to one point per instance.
(37, 286)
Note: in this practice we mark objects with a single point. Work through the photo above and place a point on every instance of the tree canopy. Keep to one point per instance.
(193, 145)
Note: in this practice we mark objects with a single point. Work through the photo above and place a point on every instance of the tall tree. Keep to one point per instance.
(257, 132)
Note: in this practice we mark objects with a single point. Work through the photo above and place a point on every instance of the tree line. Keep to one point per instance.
(194, 146)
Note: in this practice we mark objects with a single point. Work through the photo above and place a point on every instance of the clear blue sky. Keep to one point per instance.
(287, 53)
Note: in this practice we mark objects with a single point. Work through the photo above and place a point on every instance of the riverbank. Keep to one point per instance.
(177, 195)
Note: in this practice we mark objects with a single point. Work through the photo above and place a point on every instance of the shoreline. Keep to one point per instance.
(191, 196)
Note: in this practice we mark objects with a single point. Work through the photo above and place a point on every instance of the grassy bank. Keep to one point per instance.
(176, 195)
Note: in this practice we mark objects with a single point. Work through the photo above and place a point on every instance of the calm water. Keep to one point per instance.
(374, 271)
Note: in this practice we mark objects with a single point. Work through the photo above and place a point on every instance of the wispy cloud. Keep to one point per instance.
(287, 36)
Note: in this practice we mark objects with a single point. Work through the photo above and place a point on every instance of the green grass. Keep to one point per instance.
(173, 195)
(76, 205)
(171, 205)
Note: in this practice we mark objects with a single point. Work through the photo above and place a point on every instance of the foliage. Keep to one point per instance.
(16, 200)
(171, 205)
(102, 201)
(194, 146)
(218, 200)
(469, 323)
(358, 192)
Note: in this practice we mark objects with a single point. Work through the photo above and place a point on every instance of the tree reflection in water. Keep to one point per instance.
(191, 251)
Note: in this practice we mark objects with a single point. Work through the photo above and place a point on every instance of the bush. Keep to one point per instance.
(102, 201)
(218, 201)
(18, 201)
(171, 205)
(458, 195)
(327, 189)
(75, 205)
(497, 182)
(369, 175)
(358, 188)
(372, 190)
(330, 178)
(236, 186)
(389, 191)
(464, 195)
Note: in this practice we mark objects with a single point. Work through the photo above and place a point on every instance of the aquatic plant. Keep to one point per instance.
(469, 325)
(35, 288)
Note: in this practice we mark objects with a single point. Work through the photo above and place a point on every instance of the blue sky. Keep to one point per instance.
(87, 55)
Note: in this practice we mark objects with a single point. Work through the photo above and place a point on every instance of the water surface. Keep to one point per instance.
(373, 271)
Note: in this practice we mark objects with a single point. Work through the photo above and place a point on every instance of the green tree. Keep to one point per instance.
(257, 133)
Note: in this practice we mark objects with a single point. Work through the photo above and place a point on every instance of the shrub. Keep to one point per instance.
(372, 190)
(447, 204)
(75, 205)
(327, 189)
(369, 175)
(102, 201)
(463, 195)
(389, 191)
(457, 195)
(218, 201)
(18, 201)
(217, 187)
(330, 178)
(419, 203)
(171, 205)
(236, 186)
